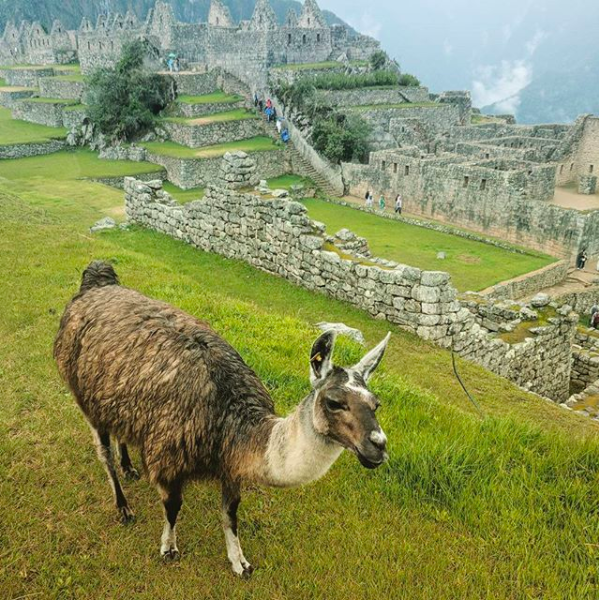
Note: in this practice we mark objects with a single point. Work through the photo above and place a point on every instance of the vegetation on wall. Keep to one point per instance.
(408, 80)
(342, 81)
(123, 101)
(378, 60)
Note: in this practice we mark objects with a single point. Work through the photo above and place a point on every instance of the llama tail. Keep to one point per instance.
(98, 274)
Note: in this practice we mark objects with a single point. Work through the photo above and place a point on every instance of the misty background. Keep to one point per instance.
(537, 59)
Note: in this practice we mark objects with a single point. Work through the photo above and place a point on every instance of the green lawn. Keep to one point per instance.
(78, 77)
(256, 144)
(284, 182)
(240, 114)
(22, 132)
(183, 196)
(70, 166)
(472, 265)
(2, 82)
(218, 97)
(503, 509)
(65, 101)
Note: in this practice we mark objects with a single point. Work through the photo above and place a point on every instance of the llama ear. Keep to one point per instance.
(320, 357)
(367, 366)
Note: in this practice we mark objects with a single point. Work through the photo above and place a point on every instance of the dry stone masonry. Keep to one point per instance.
(277, 236)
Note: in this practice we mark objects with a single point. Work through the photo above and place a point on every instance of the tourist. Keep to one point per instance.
(274, 113)
(382, 202)
(581, 259)
(177, 64)
(366, 196)
(256, 99)
(268, 112)
(370, 200)
(285, 136)
(261, 104)
(595, 320)
(594, 313)
(279, 124)
(398, 204)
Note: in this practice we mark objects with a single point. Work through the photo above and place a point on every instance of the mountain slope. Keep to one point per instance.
(70, 12)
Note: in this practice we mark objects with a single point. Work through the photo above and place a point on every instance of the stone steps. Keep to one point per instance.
(309, 171)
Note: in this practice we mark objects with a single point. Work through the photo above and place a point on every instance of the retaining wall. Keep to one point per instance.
(52, 87)
(209, 134)
(26, 150)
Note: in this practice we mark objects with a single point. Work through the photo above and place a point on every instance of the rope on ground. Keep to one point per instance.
(472, 400)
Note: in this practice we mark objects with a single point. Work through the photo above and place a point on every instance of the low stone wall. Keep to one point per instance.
(279, 237)
(119, 182)
(52, 87)
(73, 117)
(441, 117)
(585, 369)
(530, 283)
(583, 301)
(26, 77)
(44, 113)
(190, 173)
(26, 150)
(373, 96)
(196, 136)
(195, 84)
(192, 111)
(10, 97)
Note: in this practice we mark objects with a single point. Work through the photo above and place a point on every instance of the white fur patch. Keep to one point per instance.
(169, 539)
(378, 437)
(353, 386)
(234, 553)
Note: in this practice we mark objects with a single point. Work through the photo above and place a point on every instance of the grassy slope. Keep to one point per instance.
(214, 98)
(183, 196)
(501, 509)
(240, 114)
(23, 132)
(472, 265)
(256, 144)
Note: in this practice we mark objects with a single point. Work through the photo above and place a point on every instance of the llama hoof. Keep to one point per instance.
(127, 515)
(243, 569)
(247, 572)
(170, 555)
(132, 474)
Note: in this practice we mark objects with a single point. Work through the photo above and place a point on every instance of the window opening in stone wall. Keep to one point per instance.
(218, 20)
(309, 20)
(466, 181)
(591, 169)
(407, 170)
(487, 156)
(288, 38)
(571, 166)
(530, 172)
(383, 165)
(561, 169)
(483, 184)
(318, 37)
(395, 167)
(304, 39)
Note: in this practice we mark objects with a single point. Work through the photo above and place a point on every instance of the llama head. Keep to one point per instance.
(344, 407)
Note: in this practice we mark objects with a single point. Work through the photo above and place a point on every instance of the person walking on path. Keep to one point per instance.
(382, 202)
(398, 204)
(256, 99)
(369, 200)
(366, 196)
(285, 136)
(581, 259)
(279, 124)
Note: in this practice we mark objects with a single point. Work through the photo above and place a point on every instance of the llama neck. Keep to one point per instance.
(296, 454)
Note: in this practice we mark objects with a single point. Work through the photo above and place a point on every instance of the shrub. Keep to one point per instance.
(409, 80)
(378, 60)
(123, 101)
(341, 138)
(342, 81)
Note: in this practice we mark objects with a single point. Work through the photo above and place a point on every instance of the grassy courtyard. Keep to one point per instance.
(240, 114)
(23, 132)
(472, 265)
(503, 509)
(255, 144)
(218, 97)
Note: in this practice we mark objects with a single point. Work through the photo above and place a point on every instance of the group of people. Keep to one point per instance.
(397, 207)
(270, 111)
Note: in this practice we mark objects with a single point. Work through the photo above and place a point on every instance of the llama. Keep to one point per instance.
(148, 374)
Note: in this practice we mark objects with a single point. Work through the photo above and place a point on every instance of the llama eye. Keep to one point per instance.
(332, 405)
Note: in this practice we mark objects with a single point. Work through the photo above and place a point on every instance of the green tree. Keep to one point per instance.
(409, 80)
(123, 101)
(378, 60)
(341, 138)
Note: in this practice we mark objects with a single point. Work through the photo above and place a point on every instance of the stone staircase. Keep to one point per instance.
(305, 168)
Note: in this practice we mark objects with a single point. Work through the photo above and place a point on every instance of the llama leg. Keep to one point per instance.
(231, 499)
(172, 500)
(127, 467)
(106, 456)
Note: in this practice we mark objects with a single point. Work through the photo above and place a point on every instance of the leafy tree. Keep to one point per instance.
(378, 60)
(341, 138)
(123, 101)
(409, 80)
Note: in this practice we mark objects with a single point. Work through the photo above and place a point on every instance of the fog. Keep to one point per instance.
(495, 49)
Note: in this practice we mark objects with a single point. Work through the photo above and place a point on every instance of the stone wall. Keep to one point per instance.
(530, 283)
(441, 117)
(585, 369)
(196, 84)
(28, 78)
(9, 97)
(278, 236)
(26, 150)
(190, 111)
(53, 87)
(196, 136)
(582, 301)
(373, 96)
(44, 113)
(190, 173)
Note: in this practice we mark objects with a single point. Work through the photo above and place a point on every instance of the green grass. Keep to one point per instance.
(183, 196)
(23, 132)
(213, 98)
(367, 107)
(64, 101)
(240, 114)
(472, 265)
(73, 107)
(503, 509)
(256, 144)
(331, 64)
(3, 82)
(285, 182)
(70, 166)
(76, 77)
